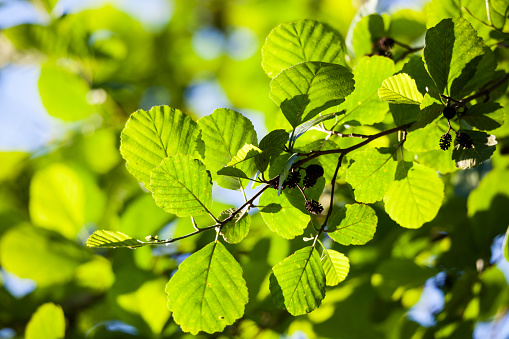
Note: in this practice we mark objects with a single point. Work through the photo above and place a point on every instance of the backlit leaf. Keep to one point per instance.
(336, 266)
(415, 196)
(225, 132)
(208, 291)
(236, 229)
(42, 255)
(364, 105)
(301, 280)
(151, 136)
(452, 53)
(297, 42)
(112, 239)
(352, 225)
(48, 322)
(64, 93)
(281, 215)
(307, 89)
(371, 173)
(400, 89)
(181, 185)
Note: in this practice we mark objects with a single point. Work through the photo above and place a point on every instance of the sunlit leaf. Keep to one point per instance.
(151, 136)
(48, 322)
(307, 89)
(371, 173)
(236, 229)
(42, 255)
(369, 29)
(305, 40)
(301, 280)
(427, 138)
(336, 266)
(112, 239)
(281, 216)
(400, 89)
(225, 132)
(247, 152)
(208, 291)
(363, 105)
(149, 301)
(452, 53)
(57, 199)
(352, 225)
(415, 196)
(182, 186)
(64, 93)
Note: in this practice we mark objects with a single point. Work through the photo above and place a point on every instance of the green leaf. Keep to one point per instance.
(336, 266)
(247, 152)
(272, 145)
(63, 93)
(303, 128)
(368, 30)
(48, 322)
(485, 116)
(404, 114)
(415, 196)
(472, 10)
(415, 68)
(297, 42)
(307, 89)
(431, 108)
(181, 185)
(371, 173)
(232, 172)
(352, 225)
(225, 132)
(281, 215)
(363, 105)
(149, 301)
(484, 146)
(60, 198)
(498, 12)
(483, 74)
(236, 229)
(400, 89)
(301, 279)
(112, 239)
(44, 256)
(451, 54)
(208, 291)
(438, 160)
(427, 138)
(149, 137)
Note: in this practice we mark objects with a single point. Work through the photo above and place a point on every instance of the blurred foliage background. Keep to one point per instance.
(61, 177)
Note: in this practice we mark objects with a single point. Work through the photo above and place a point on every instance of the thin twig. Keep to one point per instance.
(314, 154)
